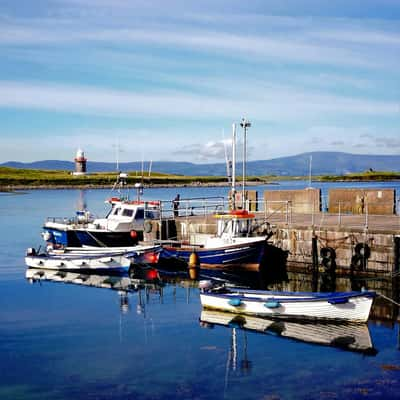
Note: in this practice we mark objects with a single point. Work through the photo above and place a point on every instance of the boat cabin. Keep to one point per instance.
(237, 223)
(128, 215)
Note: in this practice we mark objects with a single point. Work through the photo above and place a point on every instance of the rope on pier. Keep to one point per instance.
(388, 298)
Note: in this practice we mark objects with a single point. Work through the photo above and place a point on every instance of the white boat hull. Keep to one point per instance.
(118, 262)
(96, 251)
(92, 258)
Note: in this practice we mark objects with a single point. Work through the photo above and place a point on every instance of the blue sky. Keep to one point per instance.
(166, 79)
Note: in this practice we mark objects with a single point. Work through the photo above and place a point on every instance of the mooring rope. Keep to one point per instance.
(388, 298)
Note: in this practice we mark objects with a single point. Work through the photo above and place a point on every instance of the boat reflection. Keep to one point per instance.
(148, 284)
(346, 336)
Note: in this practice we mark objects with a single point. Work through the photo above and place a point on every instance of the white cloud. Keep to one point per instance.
(277, 103)
(209, 151)
(207, 65)
(295, 46)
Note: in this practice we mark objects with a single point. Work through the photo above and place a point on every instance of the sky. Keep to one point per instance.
(165, 80)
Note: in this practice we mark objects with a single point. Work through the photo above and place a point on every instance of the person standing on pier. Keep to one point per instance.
(175, 205)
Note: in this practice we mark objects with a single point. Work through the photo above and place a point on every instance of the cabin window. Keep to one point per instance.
(139, 213)
(243, 228)
(117, 211)
(126, 212)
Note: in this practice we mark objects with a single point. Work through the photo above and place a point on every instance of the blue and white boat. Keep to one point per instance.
(122, 226)
(338, 306)
(233, 245)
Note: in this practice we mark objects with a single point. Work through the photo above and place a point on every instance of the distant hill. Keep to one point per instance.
(323, 163)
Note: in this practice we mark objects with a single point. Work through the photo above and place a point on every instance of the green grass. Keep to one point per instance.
(32, 178)
(12, 177)
(363, 176)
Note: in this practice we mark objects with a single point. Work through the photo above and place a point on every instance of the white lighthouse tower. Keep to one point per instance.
(80, 163)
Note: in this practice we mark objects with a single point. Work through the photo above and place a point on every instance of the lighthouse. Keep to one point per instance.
(80, 163)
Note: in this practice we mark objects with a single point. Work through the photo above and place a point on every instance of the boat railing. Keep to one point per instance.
(362, 214)
(62, 220)
(69, 220)
(185, 207)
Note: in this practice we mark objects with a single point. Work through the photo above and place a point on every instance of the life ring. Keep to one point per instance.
(147, 226)
(239, 212)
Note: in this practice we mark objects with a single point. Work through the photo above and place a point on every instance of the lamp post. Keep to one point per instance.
(245, 124)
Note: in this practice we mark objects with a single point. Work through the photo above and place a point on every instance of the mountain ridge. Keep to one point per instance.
(322, 162)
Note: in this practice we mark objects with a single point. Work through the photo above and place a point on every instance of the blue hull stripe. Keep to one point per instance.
(251, 253)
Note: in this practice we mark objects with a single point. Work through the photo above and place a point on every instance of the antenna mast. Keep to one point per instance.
(245, 124)
(233, 190)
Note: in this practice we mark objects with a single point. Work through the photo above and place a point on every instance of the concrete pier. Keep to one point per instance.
(349, 236)
(357, 240)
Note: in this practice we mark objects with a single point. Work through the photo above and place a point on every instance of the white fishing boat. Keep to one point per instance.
(149, 251)
(338, 306)
(347, 336)
(105, 262)
(93, 259)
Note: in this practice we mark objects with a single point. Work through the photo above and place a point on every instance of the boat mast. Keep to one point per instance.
(245, 124)
(233, 190)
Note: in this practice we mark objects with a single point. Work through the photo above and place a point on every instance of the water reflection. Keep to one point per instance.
(121, 283)
(81, 203)
(150, 282)
(346, 336)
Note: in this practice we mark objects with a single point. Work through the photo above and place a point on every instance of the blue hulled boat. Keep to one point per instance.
(233, 246)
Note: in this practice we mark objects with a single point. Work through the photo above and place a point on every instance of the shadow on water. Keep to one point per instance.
(273, 268)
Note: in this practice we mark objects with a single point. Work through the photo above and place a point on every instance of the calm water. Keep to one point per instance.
(69, 341)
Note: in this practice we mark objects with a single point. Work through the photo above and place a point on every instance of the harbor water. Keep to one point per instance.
(64, 339)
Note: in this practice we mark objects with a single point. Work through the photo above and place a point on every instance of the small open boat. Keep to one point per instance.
(346, 336)
(112, 262)
(338, 306)
(88, 259)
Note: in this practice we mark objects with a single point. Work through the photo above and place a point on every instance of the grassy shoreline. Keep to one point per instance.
(21, 179)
